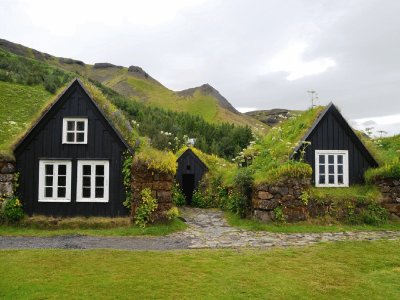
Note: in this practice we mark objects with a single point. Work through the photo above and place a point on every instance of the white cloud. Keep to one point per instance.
(290, 60)
(390, 124)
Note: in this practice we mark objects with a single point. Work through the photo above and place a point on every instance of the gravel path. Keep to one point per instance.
(207, 229)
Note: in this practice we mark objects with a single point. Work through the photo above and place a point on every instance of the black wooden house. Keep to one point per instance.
(337, 155)
(70, 162)
(191, 170)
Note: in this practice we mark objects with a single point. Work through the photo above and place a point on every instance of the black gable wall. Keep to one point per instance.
(45, 142)
(333, 133)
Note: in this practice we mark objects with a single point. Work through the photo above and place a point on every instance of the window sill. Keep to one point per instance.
(55, 200)
(91, 201)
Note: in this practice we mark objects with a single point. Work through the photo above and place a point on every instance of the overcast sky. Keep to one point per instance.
(258, 54)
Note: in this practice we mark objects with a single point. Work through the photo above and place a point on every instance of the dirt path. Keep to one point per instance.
(207, 229)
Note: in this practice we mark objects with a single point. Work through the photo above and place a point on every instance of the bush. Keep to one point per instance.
(201, 200)
(240, 198)
(372, 214)
(144, 210)
(172, 213)
(178, 198)
(13, 211)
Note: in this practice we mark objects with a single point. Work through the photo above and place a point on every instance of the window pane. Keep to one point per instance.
(86, 181)
(99, 181)
(340, 179)
(61, 192)
(340, 159)
(80, 137)
(322, 169)
(331, 169)
(70, 137)
(322, 159)
(48, 192)
(49, 169)
(99, 193)
(330, 159)
(62, 170)
(70, 125)
(340, 169)
(80, 125)
(86, 192)
(86, 170)
(331, 179)
(62, 180)
(49, 181)
(322, 179)
(99, 170)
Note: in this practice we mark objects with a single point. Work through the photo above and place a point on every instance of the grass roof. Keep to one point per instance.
(275, 148)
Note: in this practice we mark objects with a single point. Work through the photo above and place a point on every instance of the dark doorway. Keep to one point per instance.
(188, 187)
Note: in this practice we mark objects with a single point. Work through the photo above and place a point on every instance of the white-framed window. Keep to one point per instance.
(75, 131)
(92, 183)
(54, 181)
(331, 168)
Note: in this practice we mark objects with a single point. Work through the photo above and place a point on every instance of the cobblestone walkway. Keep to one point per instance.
(207, 229)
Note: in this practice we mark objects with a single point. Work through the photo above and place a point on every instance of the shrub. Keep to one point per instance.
(147, 205)
(172, 213)
(391, 170)
(279, 215)
(202, 199)
(13, 211)
(178, 198)
(240, 198)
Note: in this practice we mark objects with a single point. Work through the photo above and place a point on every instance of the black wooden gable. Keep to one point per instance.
(75, 85)
(195, 159)
(332, 132)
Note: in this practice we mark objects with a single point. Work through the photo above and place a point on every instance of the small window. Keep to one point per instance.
(331, 168)
(93, 177)
(188, 167)
(75, 130)
(54, 181)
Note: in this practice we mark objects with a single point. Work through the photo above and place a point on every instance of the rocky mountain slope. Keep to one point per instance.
(135, 83)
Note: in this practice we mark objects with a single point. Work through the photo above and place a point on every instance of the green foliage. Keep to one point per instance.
(279, 216)
(127, 179)
(154, 159)
(202, 199)
(178, 198)
(357, 193)
(272, 162)
(305, 197)
(17, 69)
(12, 210)
(147, 206)
(169, 130)
(172, 213)
(240, 197)
(389, 170)
(372, 214)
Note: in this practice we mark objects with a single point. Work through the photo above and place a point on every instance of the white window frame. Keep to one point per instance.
(92, 163)
(345, 154)
(75, 131)
(42, 180)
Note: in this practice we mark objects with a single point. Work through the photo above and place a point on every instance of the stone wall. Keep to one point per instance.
(390, 189)
(285, 195)
(7, 174)
(160, 184)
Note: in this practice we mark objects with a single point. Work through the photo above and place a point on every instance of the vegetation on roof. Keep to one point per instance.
(217, 166)
(389, 156)
(272, 161)
(164, 161)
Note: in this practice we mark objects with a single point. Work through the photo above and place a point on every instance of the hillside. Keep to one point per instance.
(135, 83)
(273, 116)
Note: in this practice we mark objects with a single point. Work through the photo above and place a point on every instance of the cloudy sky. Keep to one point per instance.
(258, 54)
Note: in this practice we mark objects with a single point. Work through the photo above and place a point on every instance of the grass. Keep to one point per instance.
(343, 270)
(317, 225)
(35, 229)
(19, 104)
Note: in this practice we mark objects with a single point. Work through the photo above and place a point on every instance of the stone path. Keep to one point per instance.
(207, 229)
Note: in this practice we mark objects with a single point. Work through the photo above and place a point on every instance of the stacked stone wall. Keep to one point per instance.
(7, 178)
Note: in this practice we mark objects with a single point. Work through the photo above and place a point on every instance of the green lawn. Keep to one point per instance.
(304, 227)
(156, 230)
(345, 270)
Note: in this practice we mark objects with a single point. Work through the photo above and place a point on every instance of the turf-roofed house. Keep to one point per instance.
(337, 155)
(70, 161)
(191, 170)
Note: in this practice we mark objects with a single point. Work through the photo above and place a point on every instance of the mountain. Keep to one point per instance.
(273, 116)
(133, 82)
